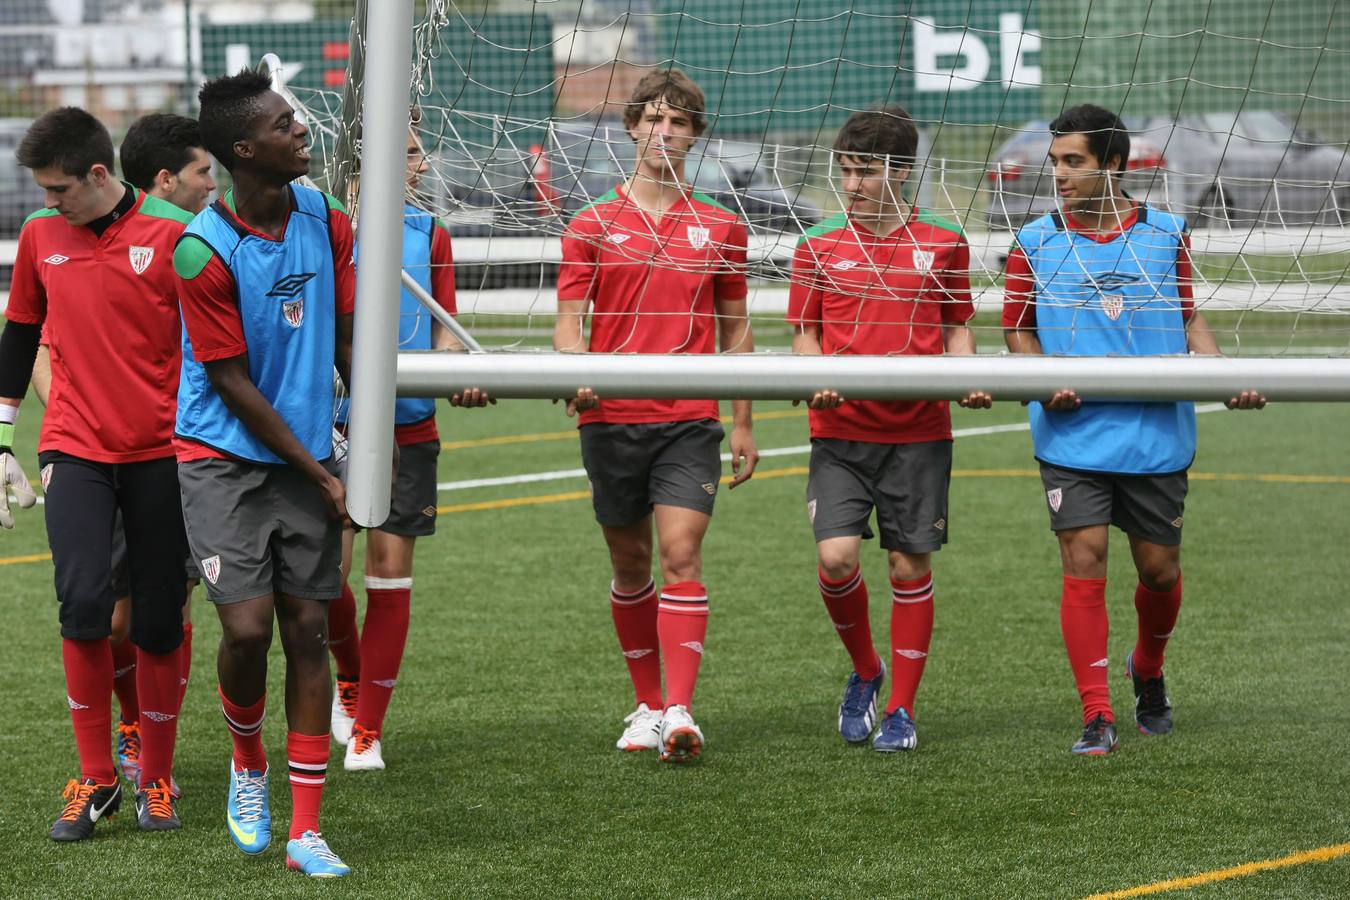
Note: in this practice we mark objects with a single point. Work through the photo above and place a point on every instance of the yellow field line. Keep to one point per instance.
(1321, 854)
(571, 433)
(540, 499)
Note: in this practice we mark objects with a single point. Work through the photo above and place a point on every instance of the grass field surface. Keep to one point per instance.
(503, 779)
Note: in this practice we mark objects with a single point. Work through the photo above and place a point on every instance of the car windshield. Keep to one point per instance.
(1254, 127)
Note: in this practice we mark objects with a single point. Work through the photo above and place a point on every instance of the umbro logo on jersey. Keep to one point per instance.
(617, 237)
(290, 285)
(140, 258)
(211, 568)
(638, 654)
(844, 265)
(923, 260)
(696, 646)
(155, 716)
(56, 259)
(46, 476)
(698, 237)
(1056, 498)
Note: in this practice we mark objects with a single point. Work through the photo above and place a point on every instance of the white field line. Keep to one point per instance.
(563, 474)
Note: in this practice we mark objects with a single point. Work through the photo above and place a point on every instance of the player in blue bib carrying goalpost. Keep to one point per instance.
(1108, 276)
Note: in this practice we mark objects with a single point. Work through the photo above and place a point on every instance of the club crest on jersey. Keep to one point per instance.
(140, 258)
(923, 260)
(211, 568)
(1113, 305)
(698, 237)
(1056, 498)
(293, 311)
(46, 476)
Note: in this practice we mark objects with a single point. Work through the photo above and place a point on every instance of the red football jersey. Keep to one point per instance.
(653, 286)
(882, 295)
(109, 309)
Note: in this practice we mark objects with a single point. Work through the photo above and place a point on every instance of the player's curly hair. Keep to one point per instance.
(230, 105)
(675, 88)
(159, 141)
(67, 137)
(883, 132)
(1106, 134)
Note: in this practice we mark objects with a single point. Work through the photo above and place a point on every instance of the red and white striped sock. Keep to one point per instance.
(635, 615)
(307, 755)
(911, 633)
(245, 724)
(682, 626)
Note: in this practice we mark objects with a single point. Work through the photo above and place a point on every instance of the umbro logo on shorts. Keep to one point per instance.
(56, 259)
(1176, 523)
(211, 568)
(1056, 498)
(710, 487)
(429, 512)
(940, 524)
(290, 285)
(154, 716)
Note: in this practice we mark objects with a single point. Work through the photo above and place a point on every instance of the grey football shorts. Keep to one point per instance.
(907, 484)
(412, 507)
(259, 529)
(635, 467)
(1143, 506)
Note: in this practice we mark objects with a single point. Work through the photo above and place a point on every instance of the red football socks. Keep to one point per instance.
(308, 758)
(383, 637)
(124, 680)
(1157, 618)
(911, 633)
(245, 724)
(1083, 621)
(635, 616)
(185, 661)
(89, 671)
(344, 640)
(682, 625)
(157, 685)
(846, 602)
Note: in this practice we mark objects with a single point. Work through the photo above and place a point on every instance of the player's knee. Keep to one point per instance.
(305, 632)
(121, 624)
(247, 639)
(1159, 576)
(682, 562)
(908, 568)
(837, 564)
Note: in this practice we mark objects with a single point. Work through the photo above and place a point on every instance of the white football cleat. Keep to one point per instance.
(681, 739)
(643, 731)
(344, 710)
(363, 752)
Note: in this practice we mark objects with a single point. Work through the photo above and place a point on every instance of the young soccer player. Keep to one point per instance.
(162, 155)
(1106, 275)
(94, 268)
(368, 660)
(267, 287)
(881, 279)
(661, 269)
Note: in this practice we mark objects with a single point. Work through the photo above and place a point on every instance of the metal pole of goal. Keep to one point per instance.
(384, 135)
(782, 376)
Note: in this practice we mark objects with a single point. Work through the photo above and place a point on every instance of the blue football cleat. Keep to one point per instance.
(1099, 738)
(897, 733)
(858, 711)
(309, 853)
(246, 812)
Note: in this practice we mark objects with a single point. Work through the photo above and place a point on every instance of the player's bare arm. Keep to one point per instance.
(959, 340)
(569, 337)
(806, 342)
(734, 336)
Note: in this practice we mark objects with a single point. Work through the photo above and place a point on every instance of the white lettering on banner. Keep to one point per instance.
(971, 67)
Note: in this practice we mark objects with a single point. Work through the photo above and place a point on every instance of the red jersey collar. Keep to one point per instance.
(1103, 237)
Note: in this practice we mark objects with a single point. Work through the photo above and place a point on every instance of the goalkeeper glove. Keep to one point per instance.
(12, 478)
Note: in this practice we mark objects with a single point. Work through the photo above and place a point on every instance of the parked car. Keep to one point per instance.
(19, 196)
(1215, 169)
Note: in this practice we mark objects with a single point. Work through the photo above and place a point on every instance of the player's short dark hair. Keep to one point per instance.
(159, 141)
(67, 137)
(230, 105)
(883, 132)
(675, 88)
(1105, 132)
